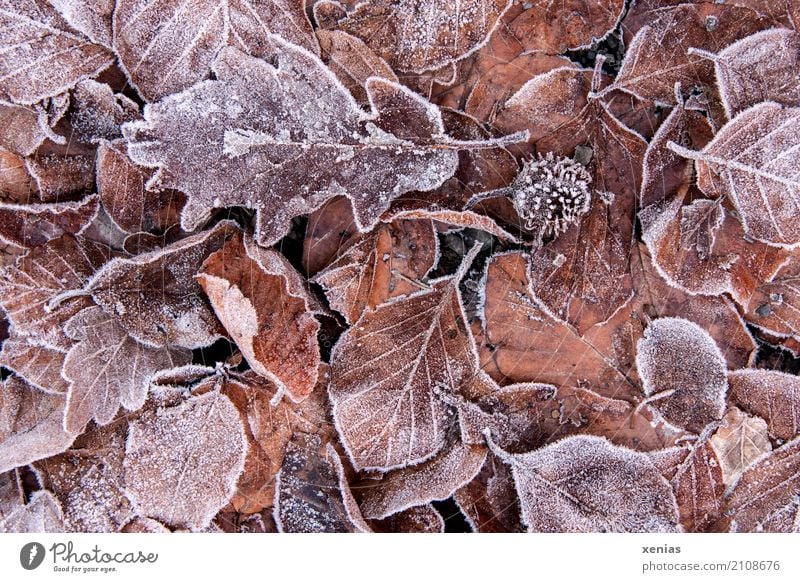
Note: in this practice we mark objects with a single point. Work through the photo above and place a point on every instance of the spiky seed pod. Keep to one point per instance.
(550, 194)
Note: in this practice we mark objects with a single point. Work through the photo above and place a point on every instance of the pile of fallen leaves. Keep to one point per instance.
(363, 266)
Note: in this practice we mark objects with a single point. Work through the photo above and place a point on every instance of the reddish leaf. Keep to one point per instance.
(774, 396)
(21, 131)
(419, 519)
(699, 486)
(739, 442)
(774, 305)
(490, 501)
(31, 225)
(39, 365)
(330, 232)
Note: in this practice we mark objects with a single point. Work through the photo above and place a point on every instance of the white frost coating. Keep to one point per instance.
(41, 515)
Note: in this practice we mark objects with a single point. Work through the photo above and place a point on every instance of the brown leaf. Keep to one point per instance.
(30, 424)
(39, 365)
(586, 484)
(433, 480)
(97, 112)
(384, 371)
(17, 184)
(30, 225)
(263, 304)
(774, 304)
(774, 396)
(107, 368)
(42, 55)
(419, 519)
(739, 442)
(352, 61)
(683, 371)
(415, 36)
(31, 289)
(61, 175)
(91, 17)
(20, 130)
(698, 485)
(154, 296)
(766, 496)
(490, 501)
(330, 232)
(183, 458)
(299, 121)
(752, 161)
(165, 48)
(382, 265)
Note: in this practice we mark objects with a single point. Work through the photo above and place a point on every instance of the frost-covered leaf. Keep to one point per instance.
(87, 480)
(774, 396)
(490, 501)
(419, 519)
(752, 159)
(352, 61)
(263, 304)
(17, 185)
(62, 173)
(699, 487)
(182, 460)
(154, 296)
(586, 484)
(767, 495)
(41, 55)
(20, 129)
(419, 35)
(42, 514)
(165, 46)
(433, 480)
(738, 442)
(30, 424)
(312, 495)
(107, 368)
(121, 186)
(382, 265)
(97, 113)
(760, 67)
(40, 365)
(774, 306)
(683, 370)
(31, 288)
(331, 230)
(30, 225)
(295, 138)
(91, 17)
(384, 371)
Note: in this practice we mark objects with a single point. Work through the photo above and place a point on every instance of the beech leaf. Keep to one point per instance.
(698, 485)
(738, 442)
(29, 225)
(774, 396)
(39, 365)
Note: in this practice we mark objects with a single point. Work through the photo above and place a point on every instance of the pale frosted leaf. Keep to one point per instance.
(20, 131)
(97, 112)
(264, 306)
(739, 442)
(384, 371)
(433, 480)
(91, 17)
(30, 225)
(382, 265)
(774, 396)
(155, 297)
(754, 158)
(30, 424)
(166, 46)
(31, 288)
(42, 514)
(39, 364)
(182, 461)
(586, 484)
(107, 368)
(143, 525)
(767, 495)
(419, 35)
(682, 367)
(699, 487)
(41, 55)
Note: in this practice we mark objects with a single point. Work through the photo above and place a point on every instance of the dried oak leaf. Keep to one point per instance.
(183, 457)
(658, 55)
(40, 365)
(267, 311)
(384, 371)
(419, 35)
(30, 225)
(311, 492)
(91, 17)
(352, 61)
(774, 396)
(586, 484)
(165, 48)
(739, 442)
(87, 480)
(683, 371)
(751, 160)
(582, 276)
(107, 368)
(154, 296)
(389, 262)
(30, 424)
(122, 188)
(304, 134)
(42, 514)
(698, 486)
(490, 502)
(774, 304)
(41, 55)
(766, 498)
(31, 288)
